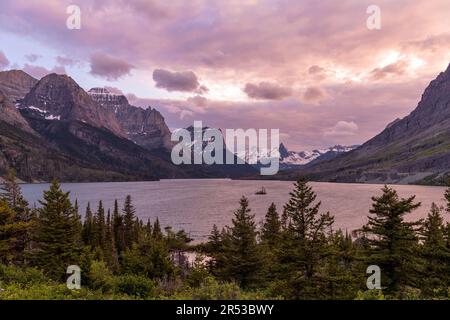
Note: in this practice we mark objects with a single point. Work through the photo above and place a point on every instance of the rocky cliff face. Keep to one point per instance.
(146, 127)
(10, 114)
(15, 84)
(59, 97)
(415, 149)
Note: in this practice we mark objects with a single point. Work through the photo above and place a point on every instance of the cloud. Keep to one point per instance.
(198, 101)
(185, 81)
(109, 67)
(342, 128)
(267, 91)
(64, 61)
(314, 94)
(315, 69)
(32, 57)
(4, 62)
(397, 68)
(40, 72)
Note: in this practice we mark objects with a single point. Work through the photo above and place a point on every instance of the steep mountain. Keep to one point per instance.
(15, 84)
(234, 170)
(10, 114)
(146, 127)
(415, 149)
(60, 97)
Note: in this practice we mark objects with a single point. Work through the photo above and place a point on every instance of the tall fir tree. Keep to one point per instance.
(393, 242)
(88, 227)
(56, 237)
(436, 255)
(100, 226)
(242, 258)
(271, 230)
(12, 195)
(118, 229)
(129, 220)
(304, 245)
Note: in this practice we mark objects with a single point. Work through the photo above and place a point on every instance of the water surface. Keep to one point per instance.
(195, 205)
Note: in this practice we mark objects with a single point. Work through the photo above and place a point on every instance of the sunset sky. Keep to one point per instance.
(310, 68)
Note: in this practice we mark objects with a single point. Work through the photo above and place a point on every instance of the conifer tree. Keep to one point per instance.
(304, 244)
(12, 195)
(88, 227)
(56, 235)
(129, 222)
(157, 233)
(271, 230)
(110, 252)
(393, 242)
(436, 254)
(118, 229)
(10, 231)
(100, 226)
(242, 259)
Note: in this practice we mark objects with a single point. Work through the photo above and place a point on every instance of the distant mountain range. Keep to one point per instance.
(415, 149)
(293, 159)
(52, 128)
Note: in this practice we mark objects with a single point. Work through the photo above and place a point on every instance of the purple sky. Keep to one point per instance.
(310, 68)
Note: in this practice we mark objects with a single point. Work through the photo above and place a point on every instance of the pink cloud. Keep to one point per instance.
(185, 81)
(267, 91)
(39, 71)
(109, 67)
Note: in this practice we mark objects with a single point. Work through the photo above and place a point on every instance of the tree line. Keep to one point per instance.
(297, 254)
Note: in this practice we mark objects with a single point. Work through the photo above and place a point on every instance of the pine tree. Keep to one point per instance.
(447, 198)
(129, 222)
(100, 226)
(118, 229)
(56, 236)
(271, 230)
(12, 195)
(304, 243)
(10, 231)
(393, 242)
(436, 254)
(110, 252)
(89, 227)
(242, 259)
(157, 233)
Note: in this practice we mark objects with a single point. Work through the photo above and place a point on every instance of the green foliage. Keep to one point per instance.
(241, 256)
(57, 235)
(393, 242)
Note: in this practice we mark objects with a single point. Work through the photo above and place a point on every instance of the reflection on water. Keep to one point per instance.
(195, 205)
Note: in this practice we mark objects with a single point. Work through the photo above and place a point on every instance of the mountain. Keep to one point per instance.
(234, 170)
(59, 131)
(60, 97)
(292, 159)
(15, 84)
(10, 114)
(146, 127)
(415, 149)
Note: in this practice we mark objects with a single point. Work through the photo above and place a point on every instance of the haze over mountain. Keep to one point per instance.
(415, 149)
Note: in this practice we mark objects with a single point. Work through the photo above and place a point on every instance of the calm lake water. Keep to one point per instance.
(195, 205)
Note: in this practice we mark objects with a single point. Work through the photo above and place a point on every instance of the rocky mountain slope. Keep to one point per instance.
(60, 97)
(146, 127)
(415, 149)
(15, 84)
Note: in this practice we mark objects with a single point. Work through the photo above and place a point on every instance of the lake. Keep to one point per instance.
(195, 205)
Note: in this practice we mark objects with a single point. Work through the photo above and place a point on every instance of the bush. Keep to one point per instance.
(134, 285)
(28, 276)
